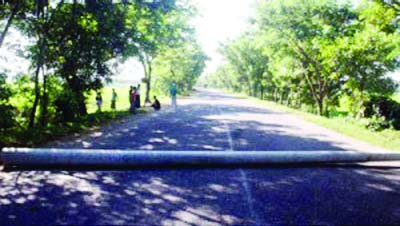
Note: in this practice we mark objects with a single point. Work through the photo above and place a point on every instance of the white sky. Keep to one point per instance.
(218, 21)
(11, 60)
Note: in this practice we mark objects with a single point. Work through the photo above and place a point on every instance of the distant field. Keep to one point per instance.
(121, 104)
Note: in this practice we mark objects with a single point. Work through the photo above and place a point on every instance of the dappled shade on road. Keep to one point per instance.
(205, 121)
(201, 197)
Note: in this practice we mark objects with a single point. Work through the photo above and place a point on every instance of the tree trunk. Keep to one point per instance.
(39, 64)
(81, 103)
(262, 92)
(9, 22)
(147, 74)
(37, 89)
(44, 102)
(320, 106)
(148, 83)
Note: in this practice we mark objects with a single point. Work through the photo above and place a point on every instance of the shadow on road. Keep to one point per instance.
(200, 197)
(200, 127)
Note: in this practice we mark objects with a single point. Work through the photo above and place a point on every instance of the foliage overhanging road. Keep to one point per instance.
(257, 196)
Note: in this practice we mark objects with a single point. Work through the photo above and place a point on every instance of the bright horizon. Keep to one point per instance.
(220, 20)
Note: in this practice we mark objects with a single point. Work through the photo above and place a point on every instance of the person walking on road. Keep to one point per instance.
(173, 91)
(113, 99)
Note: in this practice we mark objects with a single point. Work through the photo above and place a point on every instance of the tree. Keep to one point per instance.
(307, 30)
(155, 28)
(250, 63)
(7, 111)
(182, 65)
(16, 9)
(82, 38)
(312, 53)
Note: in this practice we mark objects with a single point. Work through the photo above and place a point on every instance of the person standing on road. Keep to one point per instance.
(173, 91)
(99, 101)
(132, 109)
(113, 99)
(137, 102)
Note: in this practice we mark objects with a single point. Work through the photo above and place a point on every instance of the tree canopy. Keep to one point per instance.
(75, 41)
(312, 54)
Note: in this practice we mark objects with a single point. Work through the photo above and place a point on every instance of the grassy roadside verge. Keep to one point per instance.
(18, 136)
(388, 139)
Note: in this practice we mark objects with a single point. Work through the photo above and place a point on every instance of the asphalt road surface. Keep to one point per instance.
(286, 195)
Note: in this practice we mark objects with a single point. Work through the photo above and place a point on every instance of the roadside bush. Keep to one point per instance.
(7, 119)
(22, 98)
(7, 111)
(65, 104)
(376, 123)
(382, 106)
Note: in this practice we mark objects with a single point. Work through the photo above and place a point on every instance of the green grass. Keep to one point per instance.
(21, 136)
(396, 97)
(388, 138)
(122, 102)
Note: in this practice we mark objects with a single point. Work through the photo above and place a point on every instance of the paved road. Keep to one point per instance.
(324, 195)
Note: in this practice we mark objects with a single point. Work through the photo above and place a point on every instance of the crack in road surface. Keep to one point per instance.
(243, 177)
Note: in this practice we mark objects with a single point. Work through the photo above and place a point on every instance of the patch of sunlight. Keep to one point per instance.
(172, 198)
(221, 188)
(218, 129)
(215, 117)
(71, 184)
(380, 187)
(210, 147)
(202, 215)
(152, 201)
(108, 135)
(86, 175)
(86, 144)
(229, 219)
(217, 187)
(147, 147)
(96, 134)
(16, 188)
(147, 211)
(156, 140)
(109, 180)
(5, 202)
(130, 192)
(172, 141)
(20, 200)
(211, 197)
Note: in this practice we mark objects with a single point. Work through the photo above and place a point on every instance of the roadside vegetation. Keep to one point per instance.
(351, 127)
(74, 45)
(329, 58)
